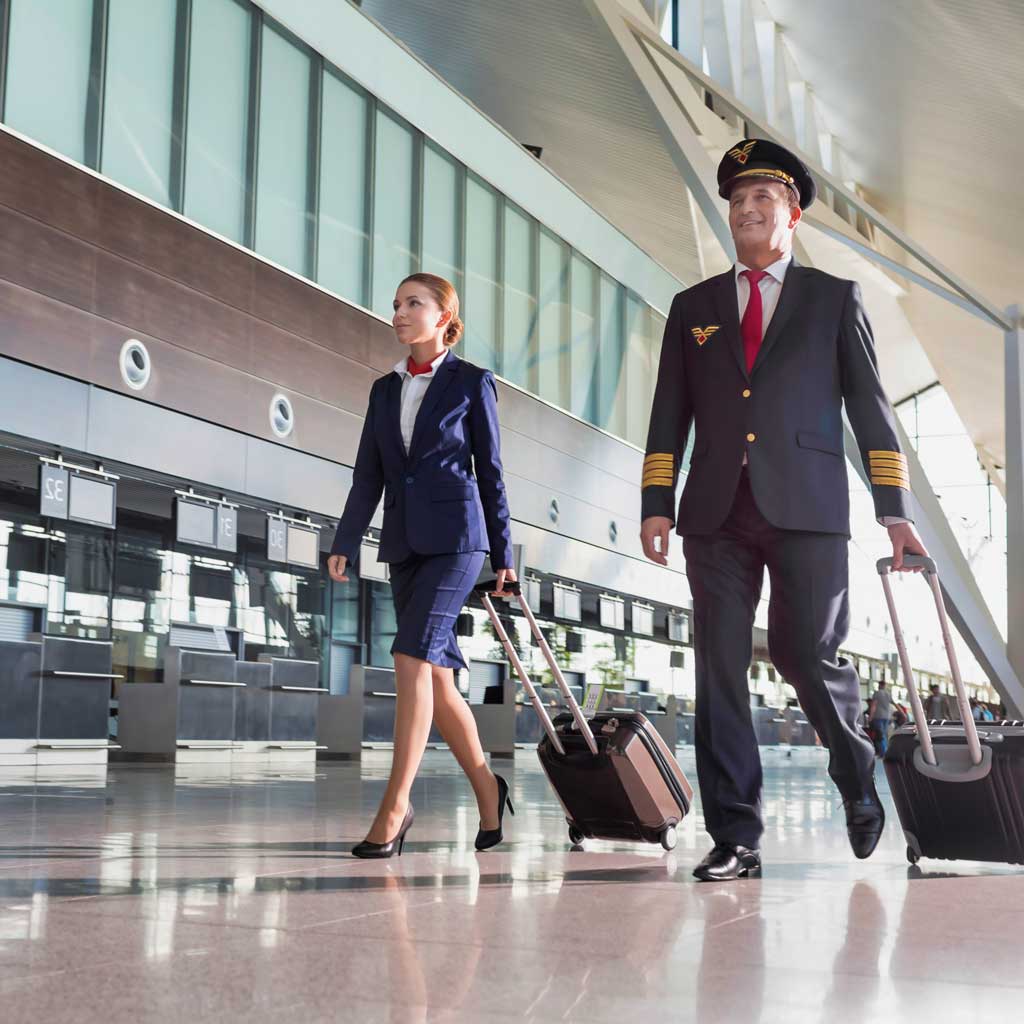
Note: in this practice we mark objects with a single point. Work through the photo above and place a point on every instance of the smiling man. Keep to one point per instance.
(760, 361)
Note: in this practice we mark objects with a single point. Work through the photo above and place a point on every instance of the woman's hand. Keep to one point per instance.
(504, 576)
(336, 568)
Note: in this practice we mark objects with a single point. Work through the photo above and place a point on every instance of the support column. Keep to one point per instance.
(1014, 362)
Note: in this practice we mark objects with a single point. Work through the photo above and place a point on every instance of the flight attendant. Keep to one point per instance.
(430, 445)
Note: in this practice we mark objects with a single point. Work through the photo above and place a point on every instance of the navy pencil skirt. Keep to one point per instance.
(429, 592)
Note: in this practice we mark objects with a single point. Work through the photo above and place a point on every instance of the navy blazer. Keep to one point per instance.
(447, 495)
(785, 413)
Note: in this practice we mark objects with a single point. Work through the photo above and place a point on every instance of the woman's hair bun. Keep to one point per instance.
(454, 330)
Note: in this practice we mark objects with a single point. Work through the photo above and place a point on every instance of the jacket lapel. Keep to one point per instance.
(393, 413)
(789, 300)
(442, 378)
(729, 317)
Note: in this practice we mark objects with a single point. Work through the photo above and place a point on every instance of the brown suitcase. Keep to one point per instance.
(613, 773)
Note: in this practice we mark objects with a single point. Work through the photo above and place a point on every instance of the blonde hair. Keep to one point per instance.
(445, 295)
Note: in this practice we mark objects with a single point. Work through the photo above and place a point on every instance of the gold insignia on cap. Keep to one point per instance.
(741, 154)
(767, 172)
(703, 333)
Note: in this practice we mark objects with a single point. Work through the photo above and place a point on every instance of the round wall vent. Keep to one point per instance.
(135, 364)
(282, 416)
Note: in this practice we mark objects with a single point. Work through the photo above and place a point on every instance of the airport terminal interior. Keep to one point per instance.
(205, 209)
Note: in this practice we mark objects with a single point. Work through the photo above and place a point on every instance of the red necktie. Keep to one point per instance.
(752, 328)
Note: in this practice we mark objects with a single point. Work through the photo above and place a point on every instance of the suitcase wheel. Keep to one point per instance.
(576, 837)
(912, 855)
(668, 838)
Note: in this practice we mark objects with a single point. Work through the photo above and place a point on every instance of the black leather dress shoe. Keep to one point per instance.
(725, 863)
(865, 819)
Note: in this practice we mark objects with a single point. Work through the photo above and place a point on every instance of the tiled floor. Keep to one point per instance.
(150, 895)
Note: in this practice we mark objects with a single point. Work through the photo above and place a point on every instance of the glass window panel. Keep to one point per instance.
(345, 609)
(80, 572)
(392, 210)
(481, 299)
(218, 117)
(611, 404)
(139, 96)
(583, 326)
(440, 214)
(343, 238)
(520, 306)
(49, 49)
(641, 368)
(283, 161)
(384, 625)
(553, 320)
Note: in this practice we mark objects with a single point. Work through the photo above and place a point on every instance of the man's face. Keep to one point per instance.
(762, 214)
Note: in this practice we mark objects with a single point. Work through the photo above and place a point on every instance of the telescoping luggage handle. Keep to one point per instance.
(485, 590)
(884, 566)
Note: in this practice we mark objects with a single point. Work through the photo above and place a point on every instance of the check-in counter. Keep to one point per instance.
(495, 720)
(295, 694)
(659, 710)
(770, 725)
(55, 701)
(685, 726)
(212, 708)
(339, 724)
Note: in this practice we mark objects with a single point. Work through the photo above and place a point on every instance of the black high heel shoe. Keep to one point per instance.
(486, 838)
(377, 851)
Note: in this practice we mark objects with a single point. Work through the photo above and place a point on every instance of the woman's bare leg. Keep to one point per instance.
(413, 712)
(456, 723)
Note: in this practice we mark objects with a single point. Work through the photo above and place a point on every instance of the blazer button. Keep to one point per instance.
(408, 479)
(746, 392)
(751, 438)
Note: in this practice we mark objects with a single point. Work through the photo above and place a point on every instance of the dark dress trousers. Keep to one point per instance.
(444, 501)
(787, 510)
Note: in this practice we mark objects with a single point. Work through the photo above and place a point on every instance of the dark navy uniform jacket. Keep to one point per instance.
(786, 414)
(447, 495)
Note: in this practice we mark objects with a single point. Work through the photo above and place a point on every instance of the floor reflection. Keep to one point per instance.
(159, 894)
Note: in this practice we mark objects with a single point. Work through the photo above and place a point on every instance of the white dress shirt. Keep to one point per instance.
(413, 390)
(771, 288)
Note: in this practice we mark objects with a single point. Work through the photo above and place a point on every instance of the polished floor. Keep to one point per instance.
(149, 894)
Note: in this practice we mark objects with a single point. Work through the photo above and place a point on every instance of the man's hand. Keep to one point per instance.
(905, 541)
(336, 568)
(656, 529)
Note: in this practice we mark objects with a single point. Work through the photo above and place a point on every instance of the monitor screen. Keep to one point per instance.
(197, 524)
(303, 546)
(92, 501)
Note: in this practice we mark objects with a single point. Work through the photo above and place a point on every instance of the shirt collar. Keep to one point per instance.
(777, 269)
(402, 367)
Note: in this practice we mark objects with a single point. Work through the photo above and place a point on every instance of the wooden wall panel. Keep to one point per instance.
(83, 266)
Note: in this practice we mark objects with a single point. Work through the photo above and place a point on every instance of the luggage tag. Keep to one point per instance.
(592, 699)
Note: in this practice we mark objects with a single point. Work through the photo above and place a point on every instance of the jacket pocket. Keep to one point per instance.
(819, 442)
(453, 492)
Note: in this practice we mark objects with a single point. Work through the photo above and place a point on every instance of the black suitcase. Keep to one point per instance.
(613, 773)
(958, 787)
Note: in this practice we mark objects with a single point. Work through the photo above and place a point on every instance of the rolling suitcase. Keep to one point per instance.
(958, 789)
(613, 773)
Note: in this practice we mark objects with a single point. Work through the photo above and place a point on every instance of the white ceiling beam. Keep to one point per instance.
(977, 303)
